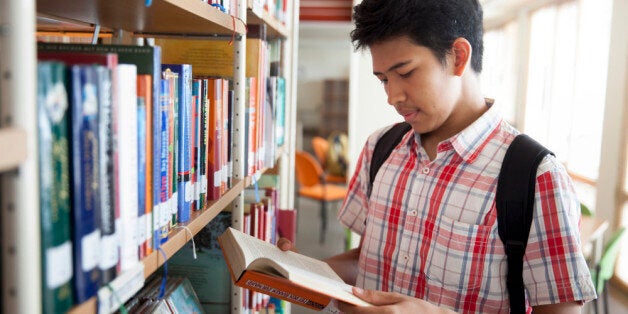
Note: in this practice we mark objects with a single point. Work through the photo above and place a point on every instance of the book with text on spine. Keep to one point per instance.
(260, 266)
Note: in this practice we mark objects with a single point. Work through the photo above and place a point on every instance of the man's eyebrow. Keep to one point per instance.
(395, 66)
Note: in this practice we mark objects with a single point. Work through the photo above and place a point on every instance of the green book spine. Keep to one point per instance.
(54, 184)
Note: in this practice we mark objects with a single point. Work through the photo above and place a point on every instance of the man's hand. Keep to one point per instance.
(389, 302)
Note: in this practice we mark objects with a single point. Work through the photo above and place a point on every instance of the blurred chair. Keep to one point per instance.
(312, 184)
(321, 147)
(605, 268)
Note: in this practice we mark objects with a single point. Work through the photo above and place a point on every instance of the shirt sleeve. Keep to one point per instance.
(555, 270)
(355, 207)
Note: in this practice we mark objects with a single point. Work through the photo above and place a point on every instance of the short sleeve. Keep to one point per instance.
(555, 270)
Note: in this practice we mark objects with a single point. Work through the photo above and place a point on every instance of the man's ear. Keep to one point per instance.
(462, 51)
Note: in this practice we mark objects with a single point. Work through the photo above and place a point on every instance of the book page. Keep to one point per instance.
(306, 271)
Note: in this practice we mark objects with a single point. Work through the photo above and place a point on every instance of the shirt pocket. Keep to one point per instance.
(456, 260)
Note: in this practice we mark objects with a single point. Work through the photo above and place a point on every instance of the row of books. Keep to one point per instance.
(226, 6)
(203, 263)
(129, 147)
(275, 8)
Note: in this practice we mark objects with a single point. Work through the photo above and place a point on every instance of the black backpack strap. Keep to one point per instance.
(384, 147)
(515, 205)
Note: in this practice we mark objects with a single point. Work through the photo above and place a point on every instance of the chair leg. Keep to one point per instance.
(323, 221)
(605, 295)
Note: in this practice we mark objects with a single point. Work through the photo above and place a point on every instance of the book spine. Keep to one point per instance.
(54, 185)
(144, 90)
(185, 115)
(85, 203)
(159, 90)
(197, 132)
(109, 242)
(164, 210)
(203, 141)
(127, 142)
(141, 176)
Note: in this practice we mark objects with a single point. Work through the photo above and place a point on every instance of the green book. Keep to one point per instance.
(54, 184)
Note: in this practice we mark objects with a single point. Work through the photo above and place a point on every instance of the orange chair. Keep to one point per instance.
(310, 177)
(321, 146)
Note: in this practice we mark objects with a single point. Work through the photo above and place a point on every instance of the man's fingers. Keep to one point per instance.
(285, 245)
(377, 297)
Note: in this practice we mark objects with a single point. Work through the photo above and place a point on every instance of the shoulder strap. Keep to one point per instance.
(515, 205)
(384, 147)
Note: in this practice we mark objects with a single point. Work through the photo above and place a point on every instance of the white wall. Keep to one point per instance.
(368, 106)
(324, 52)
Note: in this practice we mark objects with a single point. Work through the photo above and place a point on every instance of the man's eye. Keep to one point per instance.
(383, 81)
(406, 75)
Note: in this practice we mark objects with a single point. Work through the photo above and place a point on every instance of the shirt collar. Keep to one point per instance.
(470, 141)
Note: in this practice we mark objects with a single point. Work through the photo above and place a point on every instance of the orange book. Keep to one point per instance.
(261, 266)
(144, 90)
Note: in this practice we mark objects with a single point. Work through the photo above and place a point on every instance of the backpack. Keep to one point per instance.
(514, 199)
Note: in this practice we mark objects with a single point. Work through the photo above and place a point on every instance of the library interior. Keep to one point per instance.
(134, 134)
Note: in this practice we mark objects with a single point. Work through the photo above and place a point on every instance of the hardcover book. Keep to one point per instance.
(85, 181)
(260, 266)
(54, 185)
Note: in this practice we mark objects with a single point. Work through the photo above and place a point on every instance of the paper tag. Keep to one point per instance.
(58, 265)
(90, 250)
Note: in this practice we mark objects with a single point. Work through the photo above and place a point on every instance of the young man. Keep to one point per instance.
(429, 227)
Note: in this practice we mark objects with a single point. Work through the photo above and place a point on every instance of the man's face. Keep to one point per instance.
(422, 90)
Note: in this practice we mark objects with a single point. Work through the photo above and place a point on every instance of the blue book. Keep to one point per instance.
(141, 167)
(164, 211)
(85, 181)
(183, 106)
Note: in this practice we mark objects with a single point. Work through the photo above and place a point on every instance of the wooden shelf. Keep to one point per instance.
(177, 238)
(162, 17)
(13, 147)
(275, 29)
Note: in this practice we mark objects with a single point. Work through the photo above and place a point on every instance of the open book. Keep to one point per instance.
(260, 266)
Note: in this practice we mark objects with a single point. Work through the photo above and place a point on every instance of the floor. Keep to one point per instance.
(308, 244)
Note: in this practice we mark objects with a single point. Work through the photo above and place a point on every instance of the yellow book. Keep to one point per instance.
(211, 57)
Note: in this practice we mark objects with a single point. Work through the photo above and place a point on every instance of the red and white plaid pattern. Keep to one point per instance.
(430, 227)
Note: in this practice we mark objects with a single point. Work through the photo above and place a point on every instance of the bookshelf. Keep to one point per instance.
(21, 284)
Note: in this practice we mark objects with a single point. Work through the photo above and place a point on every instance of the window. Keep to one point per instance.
(499, 69)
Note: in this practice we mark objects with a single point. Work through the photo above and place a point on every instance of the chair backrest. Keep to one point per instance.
(308, 171)
(609, 257)
(320, 146)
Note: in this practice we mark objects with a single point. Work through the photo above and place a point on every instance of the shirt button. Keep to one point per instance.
(413, 213)
(425, 170)
(405, 257)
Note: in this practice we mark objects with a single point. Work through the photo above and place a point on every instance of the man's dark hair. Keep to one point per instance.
(434, 24)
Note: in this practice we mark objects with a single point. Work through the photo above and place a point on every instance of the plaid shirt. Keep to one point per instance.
(430, 227)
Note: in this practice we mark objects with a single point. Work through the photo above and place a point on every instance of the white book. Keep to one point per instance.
(127, 176)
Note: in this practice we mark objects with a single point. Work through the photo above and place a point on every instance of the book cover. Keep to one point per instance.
(85, 181)
(172, 113)
(54, 185)
(183, 298)
(261, 266)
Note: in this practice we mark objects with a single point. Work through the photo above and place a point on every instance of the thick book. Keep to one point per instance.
(85, 181)
(54, 186)
(260, 266)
